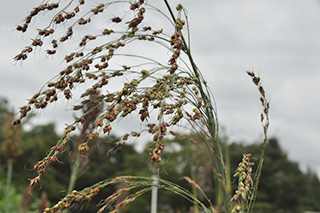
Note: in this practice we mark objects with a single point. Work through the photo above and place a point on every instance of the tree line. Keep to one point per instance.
(283, 186)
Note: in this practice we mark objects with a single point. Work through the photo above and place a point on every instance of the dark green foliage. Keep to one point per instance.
(282, 186)
(4, 113)
(283, 179)
(34, 144)
(312, 198)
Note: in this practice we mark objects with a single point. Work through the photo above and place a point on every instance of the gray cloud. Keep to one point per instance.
(277, 39)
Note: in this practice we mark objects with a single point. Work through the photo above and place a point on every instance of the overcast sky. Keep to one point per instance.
(279, 40)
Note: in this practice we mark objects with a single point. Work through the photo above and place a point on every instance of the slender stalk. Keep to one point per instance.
(227, 157)
(9, 178)
(74, 174)
(194, 189)
(154, 192)
(265, 123)
(256, 181)
(218, 159)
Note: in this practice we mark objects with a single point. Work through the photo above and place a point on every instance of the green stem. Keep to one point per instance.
(194, 189)
(9, 178)
(227, 157)
(74, 174)
(218, 160)
(256, 182)
(261, 161)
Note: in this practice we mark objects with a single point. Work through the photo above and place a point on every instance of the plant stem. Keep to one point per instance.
(194, 189)
(211, 125)
(9, 177)
(256, 182)
(74, 174)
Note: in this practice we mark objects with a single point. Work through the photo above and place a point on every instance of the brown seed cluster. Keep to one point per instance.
(177, 45)
(84, 21)
(35, 12)
(98, 9)
(62, 17)
(46, 32)
(68, 35)
(116, 19)
(155, 153)
(165, 94)
(23, 54)
(133, 24)
(41, 165)
(265, 104)
(59, 18)
(51, 52)
(166, 91)
(83, 148)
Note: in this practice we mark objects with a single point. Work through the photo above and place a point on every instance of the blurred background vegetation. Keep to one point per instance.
(283, 186)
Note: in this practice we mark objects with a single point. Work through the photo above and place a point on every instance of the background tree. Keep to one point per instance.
(283, 185)
(11, 149)
(280, 175)
(4, 113)
(311, 199)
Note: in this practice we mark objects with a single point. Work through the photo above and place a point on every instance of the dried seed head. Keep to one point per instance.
(83, 148)
(116, 19)
(179, 7)
(51, 52)
(134, 5)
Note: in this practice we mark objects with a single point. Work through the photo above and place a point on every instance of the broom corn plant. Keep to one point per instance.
(161, 94)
